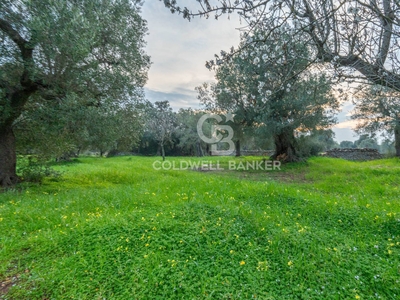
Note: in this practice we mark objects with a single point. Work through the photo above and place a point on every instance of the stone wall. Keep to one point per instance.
(247, 153)
(354, 154)
(256, 152)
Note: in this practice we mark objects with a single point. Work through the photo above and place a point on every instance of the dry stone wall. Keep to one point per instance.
(354, 154)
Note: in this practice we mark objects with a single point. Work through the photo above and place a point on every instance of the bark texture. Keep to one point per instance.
(8, 158)
(397, 139)
(237, 146)
(285, 147)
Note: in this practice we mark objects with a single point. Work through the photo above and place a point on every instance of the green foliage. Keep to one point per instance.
(366, 141)
(369, 143)
(347, 144)
(60, 128)
(269, 84)
(30, 169)
(315, 143)
(308, 146)
(80, 87)
(376, 109)
(387, 147)
(161, 123)
(115, 227)
(189, 140)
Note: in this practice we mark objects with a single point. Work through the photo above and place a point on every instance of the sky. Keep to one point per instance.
(179, 50)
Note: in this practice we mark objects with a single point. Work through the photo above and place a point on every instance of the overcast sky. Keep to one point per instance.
(179, 50)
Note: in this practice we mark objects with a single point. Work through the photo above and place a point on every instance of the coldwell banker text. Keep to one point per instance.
(263, 165)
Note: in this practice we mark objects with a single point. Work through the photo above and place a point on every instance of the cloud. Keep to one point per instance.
(180, 98)
(351, 124)
(179, 48)
(344, 134)
(345, 113)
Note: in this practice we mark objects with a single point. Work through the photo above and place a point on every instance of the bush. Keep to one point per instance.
(31, 169)
(308, 146)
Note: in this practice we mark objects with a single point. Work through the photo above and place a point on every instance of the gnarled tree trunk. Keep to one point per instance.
(8, 158)
(285, 147)
(162, 151)
(397, 139)
(237, 147)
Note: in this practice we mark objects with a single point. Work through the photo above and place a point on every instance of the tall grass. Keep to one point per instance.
(118, 229)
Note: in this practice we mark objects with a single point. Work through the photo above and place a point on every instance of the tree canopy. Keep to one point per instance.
(355, 35)
(377, 109)
(270, 84)
(89, 53)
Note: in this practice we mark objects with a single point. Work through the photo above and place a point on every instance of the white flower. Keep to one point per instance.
(268, 93)
(309, 92)
(289, 85)
(256, 61)
(261, 84)
(357, 277)
(288, 90)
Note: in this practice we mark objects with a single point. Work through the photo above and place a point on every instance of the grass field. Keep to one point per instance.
(118, 229)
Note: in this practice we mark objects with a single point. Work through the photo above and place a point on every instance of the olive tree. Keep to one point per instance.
(161, 122)
(270, 85)
(377, 109)
(189, 140)
(51, 50)
(359, 38)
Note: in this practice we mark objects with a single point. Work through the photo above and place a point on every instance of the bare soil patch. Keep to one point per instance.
(280, 176)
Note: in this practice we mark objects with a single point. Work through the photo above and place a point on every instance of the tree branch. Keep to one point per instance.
(13, 34)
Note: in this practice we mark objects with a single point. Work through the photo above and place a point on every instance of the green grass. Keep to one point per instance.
(118, 229)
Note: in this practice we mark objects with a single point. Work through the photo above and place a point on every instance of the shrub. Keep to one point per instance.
(308, 146)
(30, 169)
